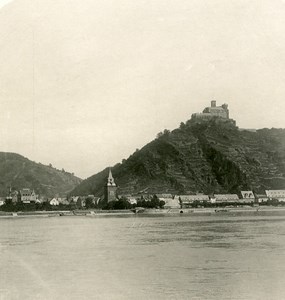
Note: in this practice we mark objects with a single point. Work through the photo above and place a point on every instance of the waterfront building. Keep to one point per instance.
(28, 196)
(132, 200)
(63, 201)
(170, 202)
(247, 194)
(188, 200)
(74, 199)
(247, 197)
(276, 194)
(226, 198)
(110, 188)
(261, 198)
(81, 202)
(54, 202)
(15, 196)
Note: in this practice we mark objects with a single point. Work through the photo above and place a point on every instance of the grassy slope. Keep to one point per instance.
(19, 172)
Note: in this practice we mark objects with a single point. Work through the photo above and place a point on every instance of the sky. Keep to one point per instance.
(83, 84)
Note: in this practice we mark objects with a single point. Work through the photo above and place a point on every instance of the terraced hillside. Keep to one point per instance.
(204, 157)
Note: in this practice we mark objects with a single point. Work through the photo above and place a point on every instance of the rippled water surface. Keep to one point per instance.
(143, 257)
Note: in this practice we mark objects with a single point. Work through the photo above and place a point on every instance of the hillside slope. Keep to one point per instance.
(19, 172)
(206, 157)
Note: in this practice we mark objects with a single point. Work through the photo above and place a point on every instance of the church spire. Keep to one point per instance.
(111, 179)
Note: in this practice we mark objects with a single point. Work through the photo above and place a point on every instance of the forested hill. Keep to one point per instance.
(19, 172)
(207, 157)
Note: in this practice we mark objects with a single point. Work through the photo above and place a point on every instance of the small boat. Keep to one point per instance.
(221, 210)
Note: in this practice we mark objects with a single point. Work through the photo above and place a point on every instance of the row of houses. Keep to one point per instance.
(25, 195)
(245, 197)
(178, 201)
(28, 196)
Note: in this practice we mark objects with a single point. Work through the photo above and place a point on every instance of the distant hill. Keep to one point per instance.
(19, 172)
(204, 157)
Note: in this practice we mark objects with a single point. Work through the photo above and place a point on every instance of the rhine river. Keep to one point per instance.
(143, 257)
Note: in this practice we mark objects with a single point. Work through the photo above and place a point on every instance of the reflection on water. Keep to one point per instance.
(143, 257)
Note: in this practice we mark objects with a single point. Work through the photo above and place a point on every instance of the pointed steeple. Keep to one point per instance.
(111, 181)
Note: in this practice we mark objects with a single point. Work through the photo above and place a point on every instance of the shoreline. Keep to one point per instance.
(172, 211)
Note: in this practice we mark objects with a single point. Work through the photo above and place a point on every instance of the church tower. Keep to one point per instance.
(110, 188)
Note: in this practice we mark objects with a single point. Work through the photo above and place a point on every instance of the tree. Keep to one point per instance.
(89, 203)
(159, 135)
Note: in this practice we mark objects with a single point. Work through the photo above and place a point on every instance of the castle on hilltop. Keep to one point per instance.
(221, 113)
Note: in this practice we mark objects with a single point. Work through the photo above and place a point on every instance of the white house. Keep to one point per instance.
(276, 194)
(54, 201)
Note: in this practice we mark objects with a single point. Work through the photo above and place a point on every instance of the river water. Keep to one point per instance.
(143, 257)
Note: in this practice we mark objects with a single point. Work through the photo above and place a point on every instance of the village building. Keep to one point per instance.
(261, 198)
(247, 194)
(132, 200)
(54, 202)
(95, 200)
(226, 198)
(28, 196)
(2, 201)
(81, 202)
(188, 200)
(15, 196)
(110, 188)
(63, 201)
(247, 197)
(276, 194)
(74, 199)
(170, 202)
(9, 197)
(146, 197)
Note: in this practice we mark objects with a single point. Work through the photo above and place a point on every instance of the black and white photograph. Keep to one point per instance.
(142, 149)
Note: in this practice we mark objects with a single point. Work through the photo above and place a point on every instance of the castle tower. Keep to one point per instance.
(213, 103)
(110, 188)
(225, 107)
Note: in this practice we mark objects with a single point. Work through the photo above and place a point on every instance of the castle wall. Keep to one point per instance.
(213, 111)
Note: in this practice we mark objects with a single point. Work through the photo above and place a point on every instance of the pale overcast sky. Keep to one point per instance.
(85, 83)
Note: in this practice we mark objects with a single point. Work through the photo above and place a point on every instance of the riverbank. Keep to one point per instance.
(174, 211)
